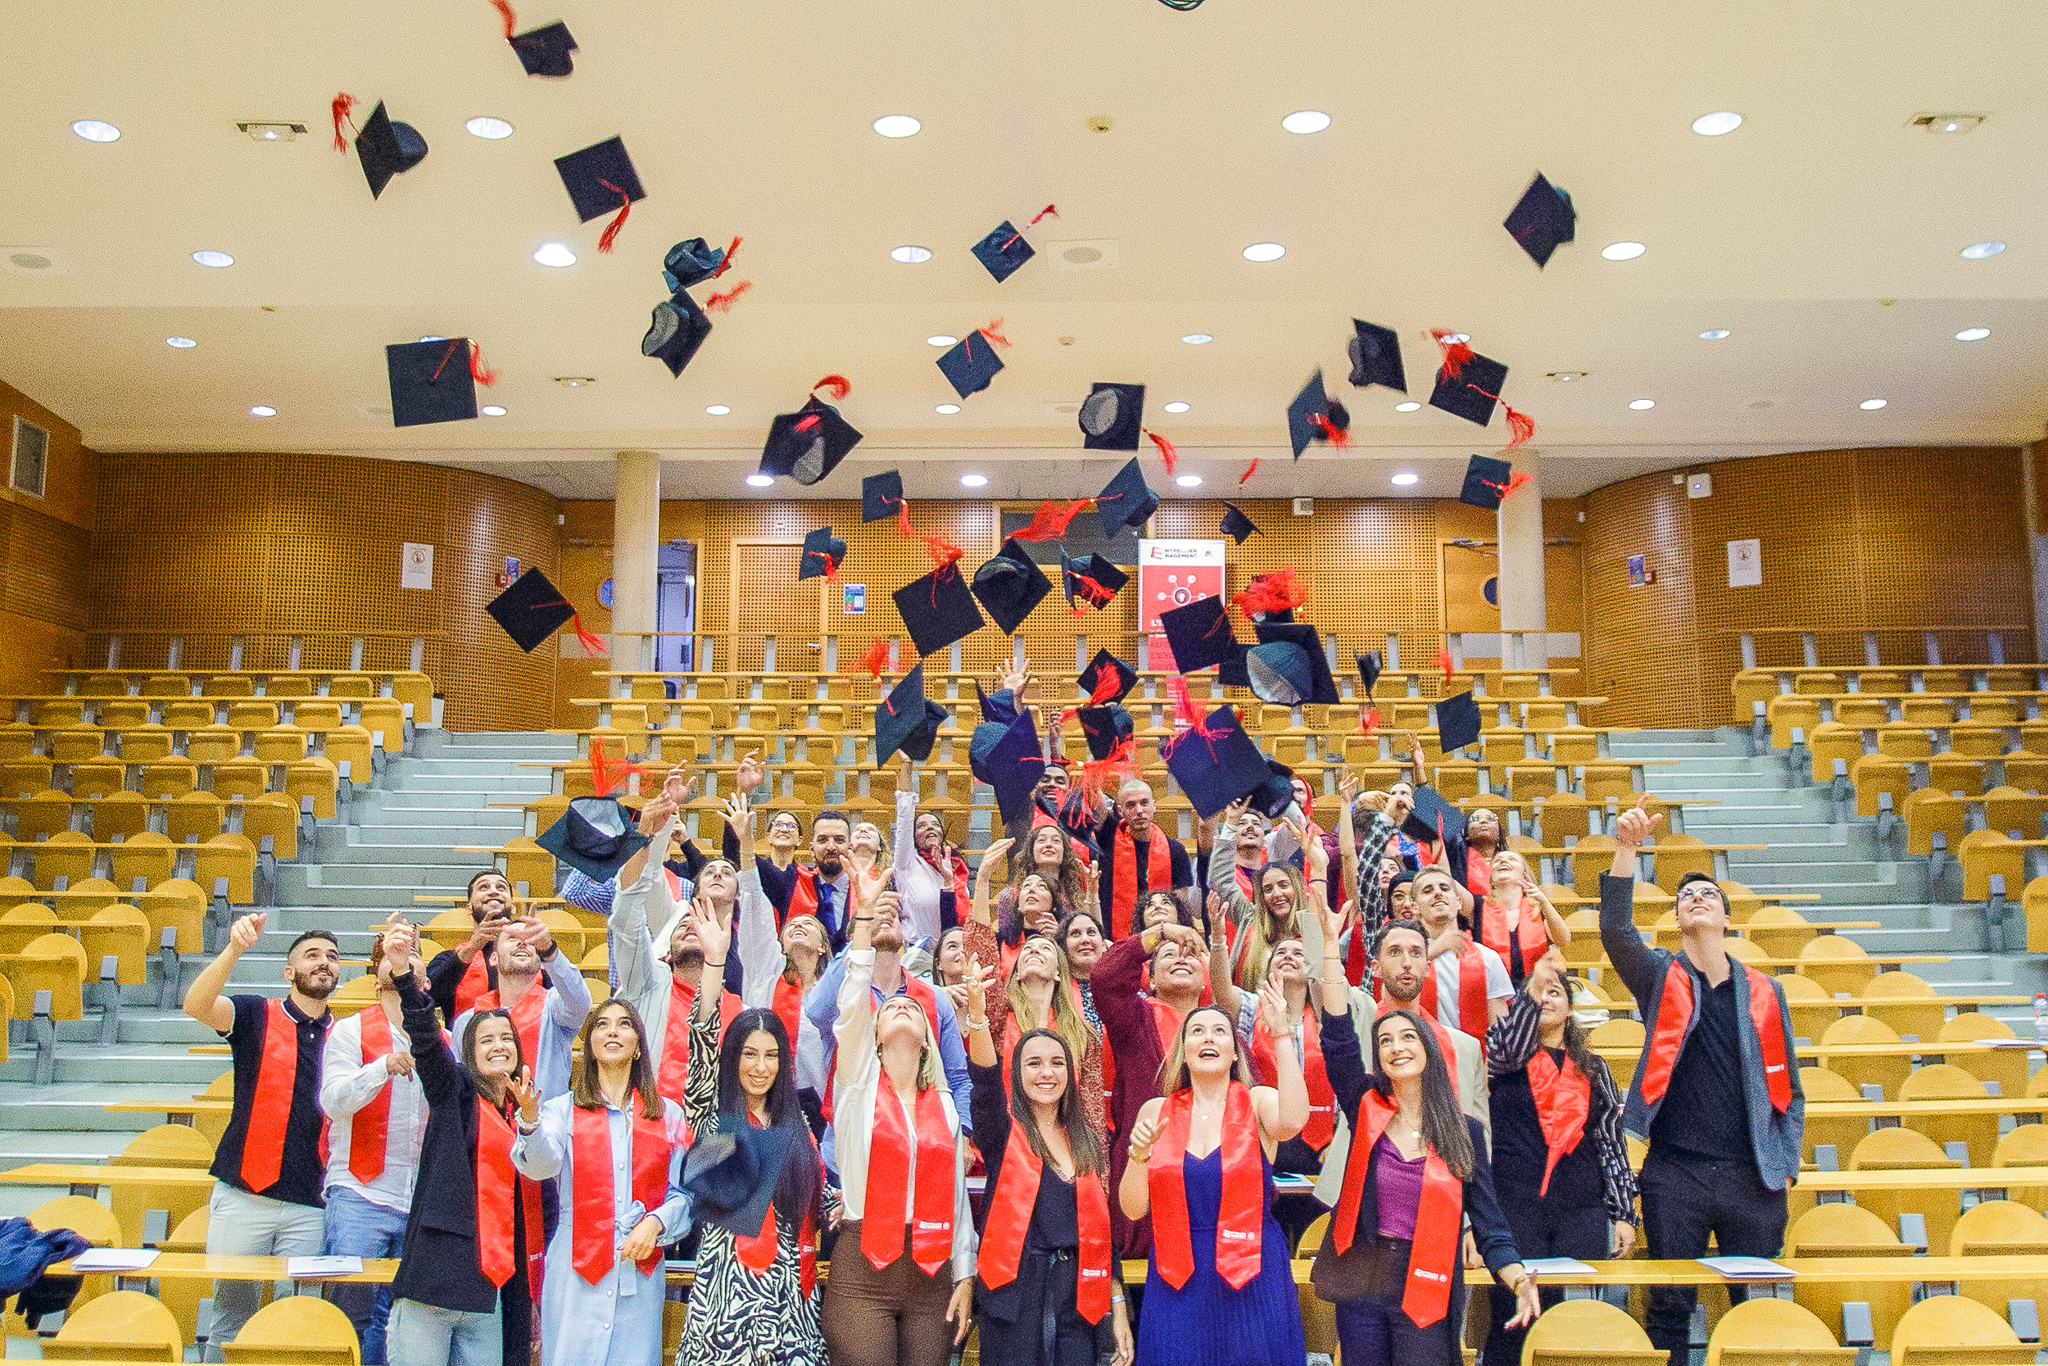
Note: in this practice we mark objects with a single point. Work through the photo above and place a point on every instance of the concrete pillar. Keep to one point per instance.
(636, 538)
(1523, 642)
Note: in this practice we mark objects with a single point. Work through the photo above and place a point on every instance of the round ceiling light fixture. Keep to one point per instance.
(1176, 407)
(1978, 251)
(1306, 121)
(1973, 334)
(1405, 478)
(1188, 481)
(909, 255)
(1871, 405)
(1264, 251)
(555, 254)
(941, 339)
(181, 343)
(760, 481)
(263, 410)
(1717, 123)
(947, 408)
(717, 410)
(1714, 334)
(897, 126)
(973, 481)
(1198, 339)
(488, 128)
(96, 130)
(1410, 406)
(1623, 251)
(213, 260)
(1641, 405)
(491, 410)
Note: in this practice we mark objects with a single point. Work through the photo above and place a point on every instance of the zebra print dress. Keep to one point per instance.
(737, 1318)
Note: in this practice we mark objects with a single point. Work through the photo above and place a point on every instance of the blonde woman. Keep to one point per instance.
(1516, 920)
(1276, 910)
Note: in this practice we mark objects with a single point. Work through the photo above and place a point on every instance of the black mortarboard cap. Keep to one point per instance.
(1010, 585)
(809, 443)
(1323, 687)
(430, 382)
(545, 51)
(1236, 525)
(1003, 251)
(1310, 404)
(1486, 479)
(1105, 665)
(1006, 756)
(1376, 357)
(1126, 501)
(675, 332)
(1472, 394)
(1431, 810)
(1272, 797)
(583, 171)
(1199, 634)
(1000, 705)
(1369, 670)
(689, 261)
(1542, 220)
(1105, 728)
(731, 1177)
(822, 551)
(908, 720)
(1280, 673)
(971, 364)
(1218, 764)
(531, 610)
(386, 148)
(595, 836)
(1112, 416)
(879, 495)
(1231, 671)
(1457, 722)
(1095, 568)
(938, 609)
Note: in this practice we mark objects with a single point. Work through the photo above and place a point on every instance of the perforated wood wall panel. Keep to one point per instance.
(41, 567)
(1639, 643)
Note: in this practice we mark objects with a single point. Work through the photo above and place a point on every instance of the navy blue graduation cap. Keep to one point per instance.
(430, 382)
(1104, 728)
(1487, 481)
(543, 51)
(1107, 679)
(971, 364)
(691, 261)
(1003, 251)
(1236, 525)
(1000, 705)
(1112, 417)
(1280, 673)
(1473, 391)
(531, 610)
(938, 609)
(1006, 755)
(1273, 797)
(1376, 357)
(1542, 220)
(1431, 815)
(1126, 500)
(1199, 634)
(1009, 585)
(1232, 672)
(1457, 722)
(1216, 763)
(731, 1177)
(600, 180)
(595, 836)
(385, 148)
(809, 443)
(1090, 578)
(676, 330)
(880, 495)
(1322, 691)
(823, 554)
(908, 720)
(1369, 670)
(1315, 416)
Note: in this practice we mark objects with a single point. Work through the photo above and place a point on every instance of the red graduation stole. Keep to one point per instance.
(369, 1129)
(526, 1014)
(1478, 874)
(1123, 902)
(918, 990)
(1009, 1217)
(1246, 886)
(496, 1180)
(757, 1253)
(477, 979)
(1563, 1096)
(1241, 1217)
(593, 1242)
(1471, 992)
(889, 1148)
(788, 1005)
(1674, 1018)
(1322, 1101)
(270, 1110)
(1166, 1020)
(1442, 1209)
(673, 1077)
(1493, 931)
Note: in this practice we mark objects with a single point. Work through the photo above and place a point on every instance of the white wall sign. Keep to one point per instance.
(1745, 564)
(416, 566)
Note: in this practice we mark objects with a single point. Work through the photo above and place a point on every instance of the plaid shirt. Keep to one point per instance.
(1512, 1041)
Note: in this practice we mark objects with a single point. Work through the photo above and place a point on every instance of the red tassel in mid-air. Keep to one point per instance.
(606, 775)
(1456, 353)
(942, 551)
(342, 104)
(1368, 721)
(1269, 594)
(1166, 450)
(1328, 430)
(1049, 523)
(611, 232)
(478, 370)
(593, 645)
(1443, 661)
(725, 263)
(1249, 471)
(994, 332)
(839, 386)
(1524, 427)
(720, 302)
(873, 662)
(505, 12)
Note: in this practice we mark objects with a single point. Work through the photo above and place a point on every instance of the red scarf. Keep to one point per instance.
(1240, 1217)
(1322, 1101)
(526, 1015)
(1123, 903)
(594, 1240)
(476, 980)
(673, 1076)
(496, 1180)
(1563, 1096)
(270, 1112)
(1471, 992)
(1431, 1255)
(1529, 931)
(757, 1253)
(1009, 1217)
(889, 1149)
(1674, 1023)
(368, 1133)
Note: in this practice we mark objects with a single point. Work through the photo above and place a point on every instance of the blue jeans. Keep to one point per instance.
(423, 1335)
(358, 1228)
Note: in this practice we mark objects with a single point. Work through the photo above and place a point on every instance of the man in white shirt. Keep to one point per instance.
(1452, 952)
(377, 1115)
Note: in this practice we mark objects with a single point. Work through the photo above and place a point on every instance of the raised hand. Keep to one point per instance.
(525, 1094)
(1347, 786)
(1634, 825)
(656, 812)
(739, 814)
(976, 984)
(401, 942)
(246, 932)
(1214, 906)
(1398, 808)
(750, 773)
(713, 936)
(868, 885)
(1374, 800)
(681, 781)
(1017, 680)
(1273, 1005)
(991, 856)
(1190, 942)
(1335, 919)
(1143, 1133)
(533, 930)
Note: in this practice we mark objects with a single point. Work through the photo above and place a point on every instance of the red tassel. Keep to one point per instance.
(903, 527)
(1049, 523)
(611, 231)
(1166, 450)
(721, 302)
(1368, 721)
(607, 776)
(343, 103)
(1249, 471)
(1455, 353)
(942, 551)
(725, 264)
(1049, 211)
(1096, 774)
(831, 571)
(506, 10)
(1524, 427)
(1443, 661)
(1271, 593)
(994, 332)
(1105, 688)
(839, 386)
(478, 370)
(592, 645)
(873, 662)
(1328, 430)
(1515, 481)
(445, 357)
(1185, 712)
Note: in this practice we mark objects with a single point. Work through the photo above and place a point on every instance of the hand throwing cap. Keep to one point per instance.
(1009, 585)
(1111, 417)
(430, 382)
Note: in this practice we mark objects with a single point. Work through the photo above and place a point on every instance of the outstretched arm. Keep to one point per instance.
(203, 999)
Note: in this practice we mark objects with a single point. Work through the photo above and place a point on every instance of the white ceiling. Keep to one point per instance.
(1823, 232)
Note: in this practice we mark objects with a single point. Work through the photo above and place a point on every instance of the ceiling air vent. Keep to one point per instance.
(34, 261)
(1099, 254)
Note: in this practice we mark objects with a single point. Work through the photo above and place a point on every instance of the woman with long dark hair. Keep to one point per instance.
(754, 1297)
(602, 1305)
(1050, 854)
(1048, 1291)
(1417, 1166)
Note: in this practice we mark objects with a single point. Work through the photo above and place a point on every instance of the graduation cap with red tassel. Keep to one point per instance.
(533, 609)
(1468, 385)
(1274, 594)
(600, 179)
(872, 662)
(1050, 521)
(608, 776)
(542, 51)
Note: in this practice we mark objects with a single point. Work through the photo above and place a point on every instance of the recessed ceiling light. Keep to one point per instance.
(1188, 481)
(1623, 251)
(897, 125)
(947, 408)
(1306, 121)
(718, 410)
(263, 410)
(760, 481)
(218, 260)
(554, 254)
(1565, 376)
(1264, 251)
(1715, 124)
(1977, 251)
(910, 256)
(1410, 406)
(1714, 334)
(1871, 405)
(484, 126)
(491, 410)
(973, 481)
(1198, 339)
(96, 130)
(941, 339)
(182, 343)
(1973, 334)
(1642, 404)
(1176, 407)
(1404, 478)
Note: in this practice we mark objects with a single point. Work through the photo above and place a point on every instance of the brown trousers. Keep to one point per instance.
(892, 1317)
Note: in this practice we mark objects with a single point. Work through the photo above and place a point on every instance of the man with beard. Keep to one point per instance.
(1137, 857)
(267, 1167)
(548, 1014)
(818, 888)
(458, 976)
(1468, 987)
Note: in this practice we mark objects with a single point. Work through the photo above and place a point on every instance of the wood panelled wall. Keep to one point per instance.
(1895, 541)
(44, 604)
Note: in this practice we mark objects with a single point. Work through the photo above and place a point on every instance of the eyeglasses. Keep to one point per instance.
(1701, 891)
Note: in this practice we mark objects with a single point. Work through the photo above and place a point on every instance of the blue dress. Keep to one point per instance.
(1206, 1323)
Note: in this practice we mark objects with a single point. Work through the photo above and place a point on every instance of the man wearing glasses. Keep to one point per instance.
(1716, 1092)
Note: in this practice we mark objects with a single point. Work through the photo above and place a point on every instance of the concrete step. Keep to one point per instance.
(447, 875)
(81, 1065)
(362, 851)
(499, 786)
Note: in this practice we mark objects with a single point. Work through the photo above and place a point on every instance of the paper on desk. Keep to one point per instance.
(2009, 1043)
(114, 1259)
(1748, 1268)
(316, 1268)
(1556, 1266)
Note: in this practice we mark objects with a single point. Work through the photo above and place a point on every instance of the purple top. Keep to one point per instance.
(1399, 1188)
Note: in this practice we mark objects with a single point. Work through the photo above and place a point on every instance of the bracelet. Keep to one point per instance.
(1141, 1161)
(859, 919)
(977, 1024)
(1116, 1299)
(719, 964)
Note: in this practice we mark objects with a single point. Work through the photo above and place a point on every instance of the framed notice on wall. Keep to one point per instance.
(1745, 564)
(416, 566)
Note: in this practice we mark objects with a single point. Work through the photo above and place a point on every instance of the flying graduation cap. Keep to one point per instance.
(907, 720)
(823, 554)
(1376, 357)
(542, 51)
(1315, 416)
(1322, 688)
(1457, 722)
(1488, 481)
(1216, 762)
(1006, 755)
(1126, 501)
(1199, 634)
(1105, 728)
(1004, 251)
(1009, 585)
(809, 443)
(1091, 578)
(1112, 417)
(1107, 679)
(434, 381)
(881, 495)
(595, 836)
(533, 609)
(973, 362)
(1236, 525)
(674, 333)
(1469, 384)
(938, 609)
(1542, 220)
(600, 180)
(384, 147)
